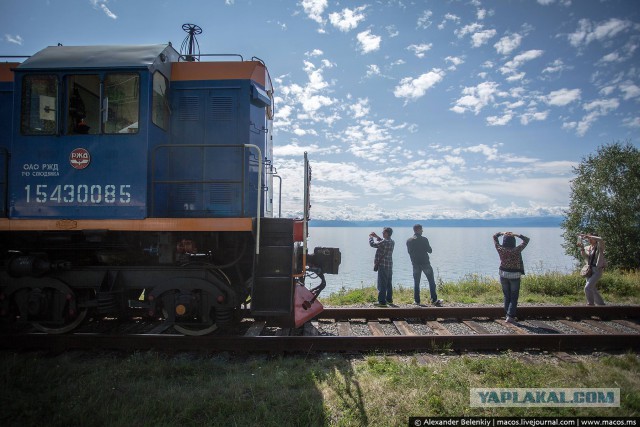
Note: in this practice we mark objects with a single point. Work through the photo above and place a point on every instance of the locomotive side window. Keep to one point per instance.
(38, 115)
(83, 104)
(160, 102)
(121, 102)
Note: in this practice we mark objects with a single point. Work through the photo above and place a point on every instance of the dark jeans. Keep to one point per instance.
(418, 269)
(511, 291)
(385, 291)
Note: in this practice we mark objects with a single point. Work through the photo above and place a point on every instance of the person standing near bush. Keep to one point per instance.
(594, 256)
(511, 269)
(383, 264)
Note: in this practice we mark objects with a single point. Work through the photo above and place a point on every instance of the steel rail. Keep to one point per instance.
(305, 344)
(525, 312)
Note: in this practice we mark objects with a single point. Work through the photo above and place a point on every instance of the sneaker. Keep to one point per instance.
(392, 304)
(438, 303)
(511, 320)
(418, 304)
(379, 305)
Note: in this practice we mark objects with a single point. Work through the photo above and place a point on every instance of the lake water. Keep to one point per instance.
(457, 252)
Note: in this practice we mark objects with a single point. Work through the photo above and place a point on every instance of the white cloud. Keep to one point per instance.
(499, 121)
(478, 35)
(348, 19)
(482, 37)
(314, 9)
(314, 52)
(468, 29)
(449, 17)
(102, 5)
(595, 109)
(556, 66)
(455, 62)
(531, 116)
(612, 57)
(475, 98)
(491, 153)
(368, 42)
(376, 141)
(587, 31)
(562, 97)
(603, 106)
(565, 3)
(373, 70)
(511, 67)
(411, 89)
(508, 44)
(630, 90)
(424, 21)
(13, 39)
(420, 49)
(360, 108)
(632, 122)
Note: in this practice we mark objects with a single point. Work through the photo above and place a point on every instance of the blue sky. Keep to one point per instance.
(408, 109)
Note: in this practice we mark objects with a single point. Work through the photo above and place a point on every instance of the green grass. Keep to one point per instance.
(540, 287)
(149, 389)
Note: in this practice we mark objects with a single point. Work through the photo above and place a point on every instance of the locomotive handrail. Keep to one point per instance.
(259, 192)
(5, 180)
(184, 57)
(279, 195)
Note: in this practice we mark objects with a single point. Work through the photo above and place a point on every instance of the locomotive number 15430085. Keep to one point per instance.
(81, 193)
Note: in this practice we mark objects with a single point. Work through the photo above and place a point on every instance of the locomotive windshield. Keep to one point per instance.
(39, 105)
(122, 102)
(83, 99)
(120, 106)
(160, 109)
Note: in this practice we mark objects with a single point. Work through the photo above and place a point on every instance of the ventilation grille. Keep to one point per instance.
(186, 194)
(220, 194)
(189, 108)
(221, 108)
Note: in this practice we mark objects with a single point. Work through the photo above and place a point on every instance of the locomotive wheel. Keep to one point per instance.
(187, 303)
(51, 307)
(41, 326)
(195, 330)
(187, 327)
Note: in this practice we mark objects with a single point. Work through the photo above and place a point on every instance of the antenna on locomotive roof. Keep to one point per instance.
(190, 48)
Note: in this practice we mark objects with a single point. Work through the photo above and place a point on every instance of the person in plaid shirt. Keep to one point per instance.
(383, 264)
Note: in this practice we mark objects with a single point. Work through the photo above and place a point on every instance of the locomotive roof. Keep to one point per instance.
(129, 56)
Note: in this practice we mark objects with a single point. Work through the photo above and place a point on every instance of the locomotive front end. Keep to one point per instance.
(139, 182)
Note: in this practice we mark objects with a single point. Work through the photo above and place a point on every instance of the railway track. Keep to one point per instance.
(552, 328)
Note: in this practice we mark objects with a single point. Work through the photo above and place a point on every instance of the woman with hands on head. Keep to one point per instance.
(511, 269)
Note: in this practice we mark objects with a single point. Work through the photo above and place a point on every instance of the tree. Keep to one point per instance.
(605, 199)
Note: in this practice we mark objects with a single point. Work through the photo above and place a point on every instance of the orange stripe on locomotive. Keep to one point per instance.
(248, 70)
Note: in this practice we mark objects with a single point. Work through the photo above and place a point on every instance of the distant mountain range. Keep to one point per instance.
(544, 221)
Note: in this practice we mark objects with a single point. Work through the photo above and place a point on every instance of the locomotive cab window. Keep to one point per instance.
(121, 103)
(83, 104)
(38, 115)
(160, 103)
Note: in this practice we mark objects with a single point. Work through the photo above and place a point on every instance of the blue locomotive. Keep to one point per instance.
(139, 179)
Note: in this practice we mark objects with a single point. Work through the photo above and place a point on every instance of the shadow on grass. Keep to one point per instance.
(151, 389)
